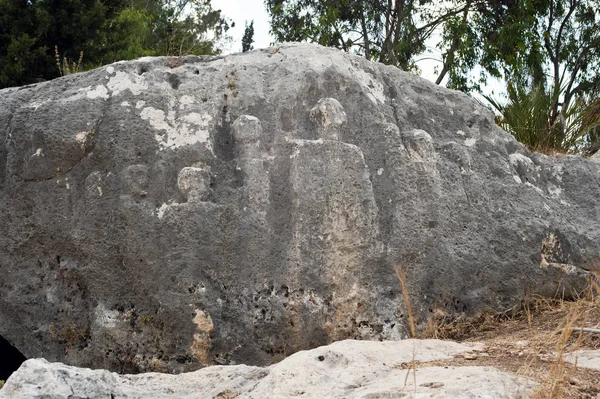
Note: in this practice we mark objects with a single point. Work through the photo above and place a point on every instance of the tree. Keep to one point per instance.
(528, 116)
(188, 27)
(105, 30)
(30, 30)
(542, 42)
(504, 37)
(248, 37)
(555, 53)
(543, 49)
(390, 31)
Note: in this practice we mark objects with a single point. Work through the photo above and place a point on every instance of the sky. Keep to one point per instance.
(240, 11)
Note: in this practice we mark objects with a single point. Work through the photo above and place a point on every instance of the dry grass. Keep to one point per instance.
(533, 341)
(570, 339)
(411, 322)
(405, 295)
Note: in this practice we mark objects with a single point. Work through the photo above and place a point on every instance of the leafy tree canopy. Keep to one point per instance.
(248, 37)
(529, 39)
(105, 30)
(549, 49)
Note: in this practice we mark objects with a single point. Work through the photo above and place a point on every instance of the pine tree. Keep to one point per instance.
(248, 37)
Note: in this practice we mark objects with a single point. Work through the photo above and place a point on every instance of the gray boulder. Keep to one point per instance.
(165, 214)
(345, 370)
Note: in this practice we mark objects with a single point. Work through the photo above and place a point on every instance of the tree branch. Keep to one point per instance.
(363, 24)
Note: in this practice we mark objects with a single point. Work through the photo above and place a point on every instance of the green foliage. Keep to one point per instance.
(394, 33)
(552, 46)
(248, 37)
(105, 30)
(1, 384)
(22, 62)
(590, 121)
(528, 115)
(530, 40)
(128, 36)
(377, 29)
(541, 42)
(184, 28)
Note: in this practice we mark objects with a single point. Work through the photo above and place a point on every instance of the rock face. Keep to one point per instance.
(169, 213)
(346, 369)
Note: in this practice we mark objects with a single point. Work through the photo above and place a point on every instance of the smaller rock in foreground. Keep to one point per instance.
(345, 369)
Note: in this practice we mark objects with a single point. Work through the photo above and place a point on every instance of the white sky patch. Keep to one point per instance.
(240, 11)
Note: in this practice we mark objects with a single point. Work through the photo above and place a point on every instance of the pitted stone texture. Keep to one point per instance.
(346, 369)
(328, 114)
(247, 132)
(194, 183)
(274, 193)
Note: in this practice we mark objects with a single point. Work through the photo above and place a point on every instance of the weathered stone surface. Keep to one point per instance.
(164, 214)
(585, 358)
(345, 369)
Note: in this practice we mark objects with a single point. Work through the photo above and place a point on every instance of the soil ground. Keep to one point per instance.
(532, 344)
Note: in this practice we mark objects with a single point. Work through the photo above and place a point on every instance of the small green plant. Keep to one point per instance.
(1, 384)
(66, 67)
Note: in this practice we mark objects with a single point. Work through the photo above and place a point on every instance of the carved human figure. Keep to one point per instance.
(247, 131)
(329, 116)
(246, 135)
(194, 183)
(135, 180)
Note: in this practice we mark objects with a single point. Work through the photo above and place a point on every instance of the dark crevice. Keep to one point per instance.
(66, 172)
(10, 359)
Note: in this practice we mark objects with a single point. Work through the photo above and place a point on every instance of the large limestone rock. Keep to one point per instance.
(169, 213)
(344, 370)
(585, 358)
